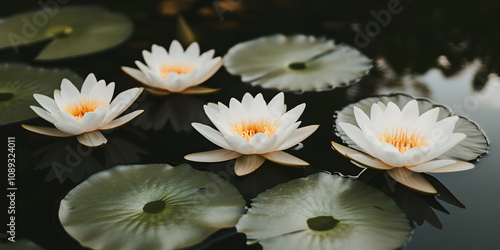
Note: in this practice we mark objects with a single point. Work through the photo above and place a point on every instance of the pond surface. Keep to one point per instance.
(446, 51)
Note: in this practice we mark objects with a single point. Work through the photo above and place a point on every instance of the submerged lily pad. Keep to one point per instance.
(153, 206)
(324, 211)
(19, 82)
(75, 30)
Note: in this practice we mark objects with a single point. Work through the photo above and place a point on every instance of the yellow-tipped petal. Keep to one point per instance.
(360, 158)
(246, 164)
(199, 90)
(213, 156)
(158, 92)
(284, 158)
(455, 167)
(412, 180)
(46, 131)
(92, 139)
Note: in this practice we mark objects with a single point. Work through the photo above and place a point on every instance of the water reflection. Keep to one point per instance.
(418, 207)
(67, 159)
(177, 110)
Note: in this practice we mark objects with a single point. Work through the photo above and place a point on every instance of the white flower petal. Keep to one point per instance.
(44, 114)
(93, 120)
(360, 158)
(457, 166)
(262, 142)
(211, 134)
(122, 101)
(92, 139)
(122, 120)
(258, 106)
(364, 122)
(410, 113)
(46, 131)
(88, 84)
(246, 164)
(47, 103)
(293, 114)
(176, 51)
(298, 136)
(390, 155)
(193, 51)
(213, 156)
(450, 142)
(68, 91)
(284, 158)
(356, 135)
(427, 121)
(69, 128)
(239, 144)
(431, 165)
(412, 180)
(472, 147)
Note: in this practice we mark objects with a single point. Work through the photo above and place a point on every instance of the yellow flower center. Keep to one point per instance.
(247, 129)
(82, 106)
(179, 68)
(401, 139)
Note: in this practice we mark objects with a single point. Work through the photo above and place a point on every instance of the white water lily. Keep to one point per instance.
(83, 114)
(252, 131)
(296, 63)
(176, 71)
(404, 142)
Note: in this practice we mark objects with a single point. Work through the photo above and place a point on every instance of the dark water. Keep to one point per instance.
(445, 51)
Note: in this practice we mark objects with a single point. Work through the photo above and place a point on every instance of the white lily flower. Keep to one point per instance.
(296, 63)
(252, 131)
(176, 71)
(406, 143)
(84, 113)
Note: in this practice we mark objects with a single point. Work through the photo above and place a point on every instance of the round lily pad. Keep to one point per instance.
(19, 82)
(75, 30)
(324, 211)
(153, 206)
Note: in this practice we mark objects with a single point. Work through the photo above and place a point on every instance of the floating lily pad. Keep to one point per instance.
(324, 211)
(75, 31)
(296, 63)
(19, 82)
(153, 206)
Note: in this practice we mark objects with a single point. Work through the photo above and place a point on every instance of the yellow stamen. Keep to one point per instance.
(82, 106)
(402, 140)
(247, 129)
(179, 68)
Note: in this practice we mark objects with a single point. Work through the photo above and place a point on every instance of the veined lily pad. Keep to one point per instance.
(19, 82)
(153, 206)
(75, 30)
(324, 211)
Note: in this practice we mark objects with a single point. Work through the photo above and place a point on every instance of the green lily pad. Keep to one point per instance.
(75, 31)
(154, 206)
(324, 211)
(19, 82)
